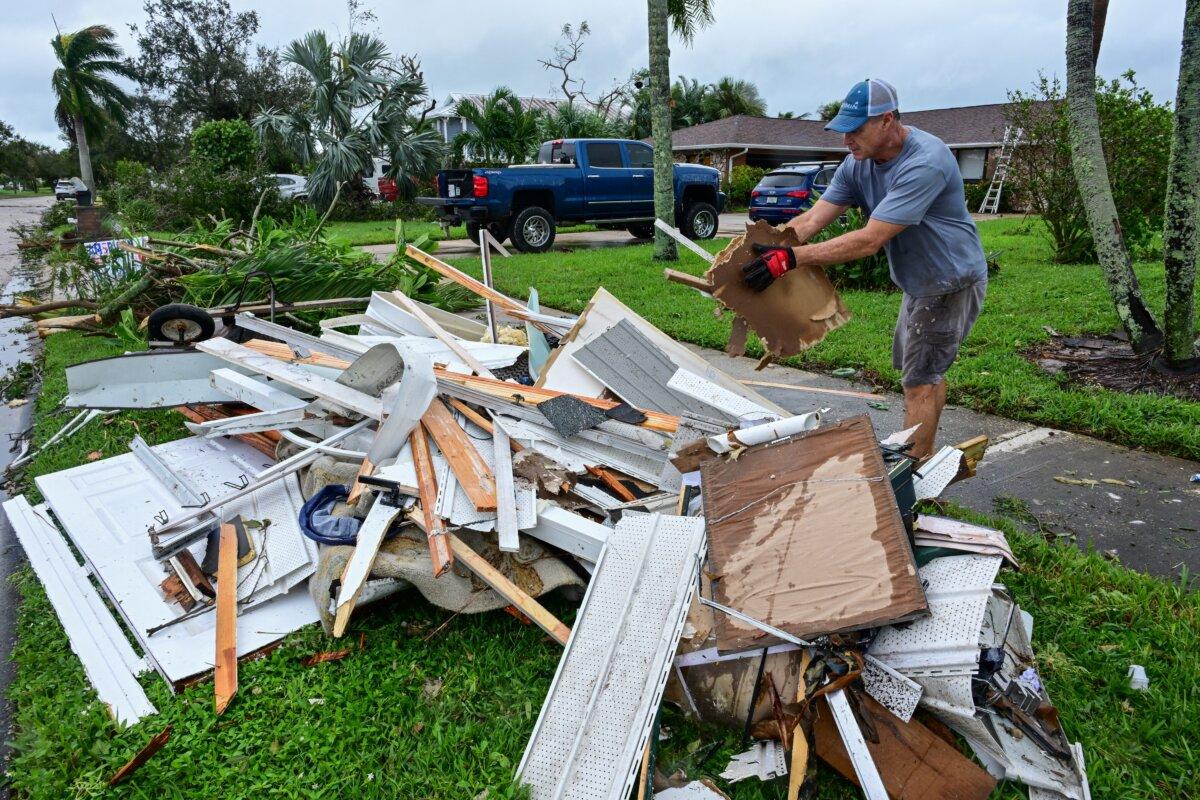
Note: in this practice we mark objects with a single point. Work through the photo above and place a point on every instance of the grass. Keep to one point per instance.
(39, 192)
(990, 375)
(380, 725)
(384, 231)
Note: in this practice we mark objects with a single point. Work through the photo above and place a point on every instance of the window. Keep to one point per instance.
(283, 180)
(604, 154)
(824, 176)
(557, 152)
(972, 163)
(641, 156)
(781, 180)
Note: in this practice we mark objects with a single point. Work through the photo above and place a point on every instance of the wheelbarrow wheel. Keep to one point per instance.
(180, 323)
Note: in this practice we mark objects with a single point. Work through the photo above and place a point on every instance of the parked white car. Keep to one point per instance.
(292, 187)
(66, 188)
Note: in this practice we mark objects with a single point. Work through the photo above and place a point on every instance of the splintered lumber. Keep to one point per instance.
(509, 590)
(358, 567)
(612, 482)
(472, 472)
(225, 677)
(451, 341)
(141, 757)
(466, 281)
(282, 352)
(685, 279)
(431, 523)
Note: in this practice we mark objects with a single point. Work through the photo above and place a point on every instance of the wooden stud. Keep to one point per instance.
(439, 550)
(798, 768)
(698, 283)
(225, 675)
(463, 279)
(611, 481)
(472, 472)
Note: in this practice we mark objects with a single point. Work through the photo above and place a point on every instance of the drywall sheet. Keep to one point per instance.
(795, 312)
(805, 535)
(106, 507)
(596, 718)
(564, 374)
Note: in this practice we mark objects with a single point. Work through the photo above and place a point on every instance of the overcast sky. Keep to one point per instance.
(801, 53)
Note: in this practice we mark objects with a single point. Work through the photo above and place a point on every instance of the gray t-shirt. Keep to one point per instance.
(939, 252)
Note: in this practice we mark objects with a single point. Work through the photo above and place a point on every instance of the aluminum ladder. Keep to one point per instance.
(991, 200)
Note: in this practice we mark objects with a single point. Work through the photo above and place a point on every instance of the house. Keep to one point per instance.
(449, 124)
(973, 133)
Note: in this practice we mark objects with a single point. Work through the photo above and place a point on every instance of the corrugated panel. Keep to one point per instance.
(597, 714)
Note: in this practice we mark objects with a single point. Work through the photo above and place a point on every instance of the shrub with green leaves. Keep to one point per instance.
(742, 182)
(226, 144)
(865, 273)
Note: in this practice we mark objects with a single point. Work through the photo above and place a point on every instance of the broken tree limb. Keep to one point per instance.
(700, 284)
(439, 549)
(225, 676)
(113, 308)
(207, 248)
(18, 310)
(469, 468)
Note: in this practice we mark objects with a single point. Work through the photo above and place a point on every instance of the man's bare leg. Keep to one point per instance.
(924, 404)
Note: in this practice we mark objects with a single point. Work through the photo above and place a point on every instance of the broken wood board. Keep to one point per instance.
(793, 313)
(440, 552)
(603, 311)
(805, 535)
(225, 677)
(598, 712)
(442, 335)
(95, 637)
(141, 757)
(914, 763)
(358, 567)
(471, 471)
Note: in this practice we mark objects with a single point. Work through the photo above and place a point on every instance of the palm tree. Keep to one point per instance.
(730, 97)
(689, 103)
(87, 100)
(827, 111)
(569, 121)
(362, 103)
(686, 16)
(500, 129)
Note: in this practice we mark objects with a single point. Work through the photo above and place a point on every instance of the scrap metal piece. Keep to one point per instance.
(864, 766)
(765, 760)
(95, 637)
(937, 473)
(720, 400)
(897, 693)
(598, 712)
(152, 379)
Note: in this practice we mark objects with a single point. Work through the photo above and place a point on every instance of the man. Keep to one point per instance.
(908, 183)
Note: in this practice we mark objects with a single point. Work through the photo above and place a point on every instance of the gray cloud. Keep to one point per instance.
(801, 53)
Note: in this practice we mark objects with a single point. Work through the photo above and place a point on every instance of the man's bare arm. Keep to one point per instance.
(813, 221)
(849, 246)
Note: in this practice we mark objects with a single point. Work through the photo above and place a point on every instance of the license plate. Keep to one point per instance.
(772, 200)
(452, 190)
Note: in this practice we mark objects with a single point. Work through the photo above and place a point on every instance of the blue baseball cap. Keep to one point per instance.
(866, 99)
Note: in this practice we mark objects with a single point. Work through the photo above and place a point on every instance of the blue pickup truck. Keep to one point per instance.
(607, 182)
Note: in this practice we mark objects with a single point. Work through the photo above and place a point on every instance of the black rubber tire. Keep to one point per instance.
(168, 322)
(642, 230)
(700, 221)
(498, 230)
(532, 217)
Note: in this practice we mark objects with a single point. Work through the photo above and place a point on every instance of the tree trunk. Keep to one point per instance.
(660, 128)
(1099, 17)
(85, 155)
(1183, 200)
(1091, 175)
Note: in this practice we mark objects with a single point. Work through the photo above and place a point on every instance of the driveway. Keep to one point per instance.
(730, 224)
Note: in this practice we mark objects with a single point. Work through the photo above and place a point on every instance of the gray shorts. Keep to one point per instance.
(929, 331)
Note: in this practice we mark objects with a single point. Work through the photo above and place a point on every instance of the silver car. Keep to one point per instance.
(66, 188)
(292, 187)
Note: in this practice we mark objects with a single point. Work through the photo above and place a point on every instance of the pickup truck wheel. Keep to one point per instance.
(700, 221)
(533, 230)
(643, 230)
(499, 231)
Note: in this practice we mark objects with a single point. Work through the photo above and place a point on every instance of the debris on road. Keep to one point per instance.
(766, 571)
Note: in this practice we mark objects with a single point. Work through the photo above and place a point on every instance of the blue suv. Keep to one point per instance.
(788, 191)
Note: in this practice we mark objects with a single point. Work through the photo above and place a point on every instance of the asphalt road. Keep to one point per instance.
(14, 348)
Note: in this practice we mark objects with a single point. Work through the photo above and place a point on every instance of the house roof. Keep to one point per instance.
(446, 107)
(980, 126)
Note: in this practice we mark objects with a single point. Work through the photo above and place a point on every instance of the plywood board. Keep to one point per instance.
(805, 535)
(793, 313)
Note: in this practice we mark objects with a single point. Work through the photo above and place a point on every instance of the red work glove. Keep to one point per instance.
(771, 263)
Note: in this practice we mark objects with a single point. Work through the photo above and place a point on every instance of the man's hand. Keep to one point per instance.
(771, 263)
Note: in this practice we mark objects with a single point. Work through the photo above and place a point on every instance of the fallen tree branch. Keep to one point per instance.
(42, 308)
(208, 248)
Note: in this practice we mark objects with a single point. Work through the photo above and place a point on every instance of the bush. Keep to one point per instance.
(58, 214)
(870, 273)
(195, 191)
(743, 181)
(1136, 133)
(227, 144)
(975, 192)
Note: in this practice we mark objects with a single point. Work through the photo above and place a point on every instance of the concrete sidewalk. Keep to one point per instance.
(730, 225)
(1152, 522)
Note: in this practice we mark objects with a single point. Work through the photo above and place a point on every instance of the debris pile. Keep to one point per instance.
(760, 569)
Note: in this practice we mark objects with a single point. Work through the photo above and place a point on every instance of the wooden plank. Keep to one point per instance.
(506, 497)
(913, 762)
(294, 376)
(687, 279)
(441, 334)
(509, 590)
(358, 567)
(225, 676)
(469, 468)
(815, 389)
(439, 549)
(463, 279)
(482, 421)
(282, 352)
(610, 480)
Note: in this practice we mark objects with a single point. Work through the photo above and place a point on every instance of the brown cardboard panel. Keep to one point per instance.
(795, 312)
(805, 535)
(914, 763)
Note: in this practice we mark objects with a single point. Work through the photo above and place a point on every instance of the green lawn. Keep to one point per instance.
(990, 375)
(39, 192)
(384, 231)
(380, 725)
